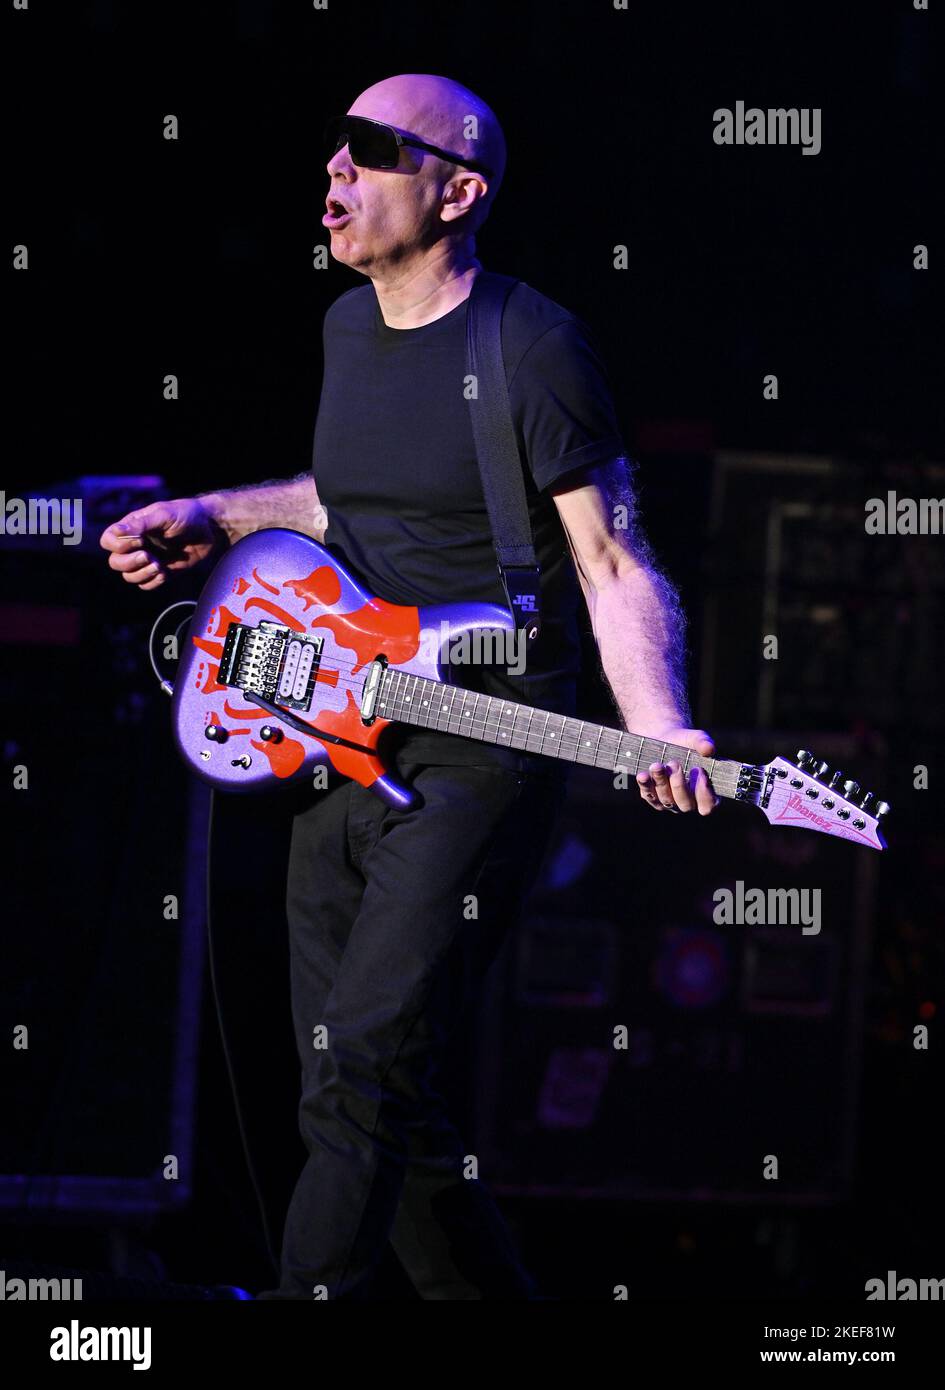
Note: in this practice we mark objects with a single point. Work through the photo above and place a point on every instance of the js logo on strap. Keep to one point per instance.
(526, 602)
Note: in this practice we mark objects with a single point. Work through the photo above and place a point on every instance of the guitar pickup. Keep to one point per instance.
(372, 688)
(272, 661)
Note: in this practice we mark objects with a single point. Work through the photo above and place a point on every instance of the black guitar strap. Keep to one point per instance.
(500, 465)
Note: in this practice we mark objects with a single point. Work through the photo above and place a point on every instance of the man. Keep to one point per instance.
(386, 951)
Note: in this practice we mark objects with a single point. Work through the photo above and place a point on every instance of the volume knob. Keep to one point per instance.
(270, 734)
(216, 733)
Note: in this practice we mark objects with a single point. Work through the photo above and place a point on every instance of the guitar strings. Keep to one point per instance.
(354, 683)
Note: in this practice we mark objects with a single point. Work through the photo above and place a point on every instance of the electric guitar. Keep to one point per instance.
(290, 664)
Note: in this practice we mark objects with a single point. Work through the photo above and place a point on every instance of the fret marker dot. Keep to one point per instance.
(466, 713)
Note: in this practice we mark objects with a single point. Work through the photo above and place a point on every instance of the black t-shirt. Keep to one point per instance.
(395, 467)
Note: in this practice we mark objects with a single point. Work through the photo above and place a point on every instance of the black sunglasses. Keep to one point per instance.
(373, 145)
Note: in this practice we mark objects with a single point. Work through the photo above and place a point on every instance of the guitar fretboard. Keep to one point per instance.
(489, 718)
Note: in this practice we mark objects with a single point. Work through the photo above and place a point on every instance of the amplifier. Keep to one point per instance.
(105, 900)
(852, 611)
(636, 1044)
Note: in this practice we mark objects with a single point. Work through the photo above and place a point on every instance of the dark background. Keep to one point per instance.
(194, 257)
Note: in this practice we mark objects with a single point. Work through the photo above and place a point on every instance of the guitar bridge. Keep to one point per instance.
(272, 661)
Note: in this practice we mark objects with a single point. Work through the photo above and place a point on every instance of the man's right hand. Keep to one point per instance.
(147, 543)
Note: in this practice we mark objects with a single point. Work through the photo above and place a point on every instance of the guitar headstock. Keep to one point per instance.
(807, 794)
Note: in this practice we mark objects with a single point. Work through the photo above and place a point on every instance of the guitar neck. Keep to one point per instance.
(410, 699)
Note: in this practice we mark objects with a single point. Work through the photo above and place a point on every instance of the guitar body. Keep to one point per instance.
(335, 630)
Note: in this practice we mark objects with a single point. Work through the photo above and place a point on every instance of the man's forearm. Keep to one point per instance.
(293, 503)
(640, 632)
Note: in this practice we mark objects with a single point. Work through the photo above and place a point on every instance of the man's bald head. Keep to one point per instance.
(445, 113)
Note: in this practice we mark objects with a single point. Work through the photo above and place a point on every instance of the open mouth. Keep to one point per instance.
(337, 214)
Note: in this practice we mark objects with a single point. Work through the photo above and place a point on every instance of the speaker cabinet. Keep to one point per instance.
(636, 1046)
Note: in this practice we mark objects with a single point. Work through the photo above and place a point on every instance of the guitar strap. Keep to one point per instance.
(500, 464)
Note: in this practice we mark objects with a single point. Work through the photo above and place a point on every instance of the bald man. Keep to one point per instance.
(386, 953)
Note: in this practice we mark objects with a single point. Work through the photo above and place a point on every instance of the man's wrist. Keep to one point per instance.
(215, 506)
(657, 721)
(212, 503)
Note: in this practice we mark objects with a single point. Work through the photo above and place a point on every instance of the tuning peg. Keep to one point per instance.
(882, 808)
(820, 770)
(836, 780)
(851, 789)
(803, 759)
(865, 803)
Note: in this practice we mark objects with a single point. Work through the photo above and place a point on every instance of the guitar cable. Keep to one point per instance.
(227, 1055)
(165, 684)
(168, 688)
(302, 727)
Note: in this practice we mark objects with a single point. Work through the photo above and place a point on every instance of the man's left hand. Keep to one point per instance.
(665, 788)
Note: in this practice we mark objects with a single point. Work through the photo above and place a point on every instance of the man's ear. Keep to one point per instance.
(461, 194)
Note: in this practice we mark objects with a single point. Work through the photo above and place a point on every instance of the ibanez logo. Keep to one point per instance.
(798, 805)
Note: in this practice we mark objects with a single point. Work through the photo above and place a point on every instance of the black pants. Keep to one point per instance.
(394, 917)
